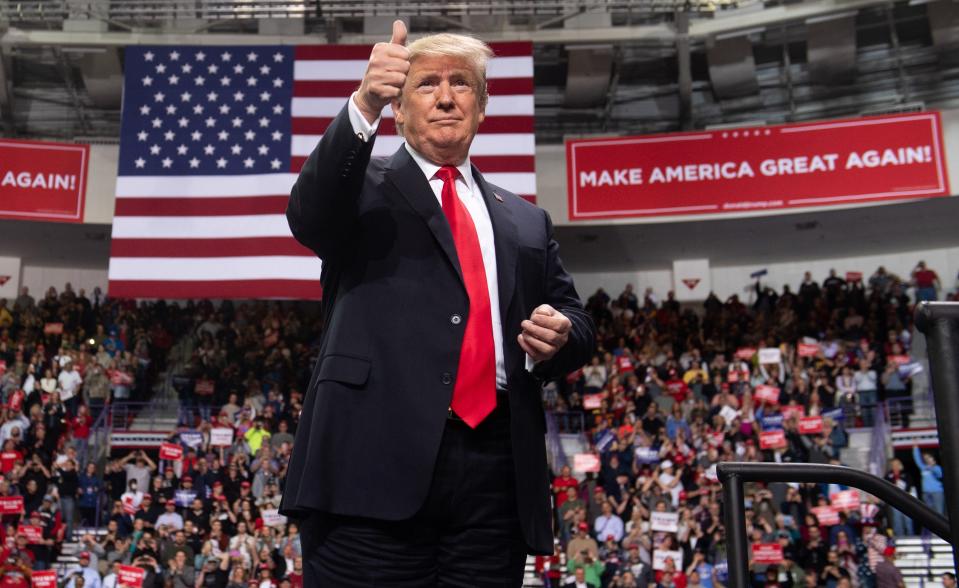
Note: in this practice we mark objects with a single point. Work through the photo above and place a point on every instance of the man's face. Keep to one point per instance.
(440, 108)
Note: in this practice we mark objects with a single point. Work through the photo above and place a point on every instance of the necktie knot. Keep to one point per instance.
(447, 173)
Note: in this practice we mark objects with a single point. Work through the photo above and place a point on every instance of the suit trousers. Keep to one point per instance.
(467, 533)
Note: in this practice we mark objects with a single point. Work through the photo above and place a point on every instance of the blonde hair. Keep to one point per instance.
(470, 49)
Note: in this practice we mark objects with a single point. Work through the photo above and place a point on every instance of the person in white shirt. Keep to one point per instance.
(609, 524)
(170, 518)
(579, 580)
(70, 382)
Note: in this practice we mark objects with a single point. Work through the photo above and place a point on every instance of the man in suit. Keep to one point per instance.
(419, 460)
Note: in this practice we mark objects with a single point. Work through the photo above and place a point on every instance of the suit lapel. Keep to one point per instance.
(506, 238)
(409, 180)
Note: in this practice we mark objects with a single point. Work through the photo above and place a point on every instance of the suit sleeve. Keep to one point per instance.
(561, 295)
(323, 202)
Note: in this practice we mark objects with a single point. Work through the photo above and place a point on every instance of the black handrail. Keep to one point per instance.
(733, 474)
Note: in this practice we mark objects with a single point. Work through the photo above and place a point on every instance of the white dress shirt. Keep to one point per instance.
(469, 194)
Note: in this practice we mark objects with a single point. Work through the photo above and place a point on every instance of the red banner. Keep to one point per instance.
(745, 353)
(767, 394)
(585, 462)
(44, 579)
(811, 425)
(808, 349)
(826, 515)
(11, 505)
(171, 451)
(33, 533)
(758, 168)
(898, 359)
(130, 576)
(772, 439)
(767, 553)
(53, 329)
(203, 387)
(792, 410)
(592, 401)
(43, 181)
(845, 500)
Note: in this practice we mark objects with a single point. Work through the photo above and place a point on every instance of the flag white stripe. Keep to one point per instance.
(204, 186)
(509, 105)
(354, 69)
(386, 145)
(218, 268)
(200, 227)
(520, 183)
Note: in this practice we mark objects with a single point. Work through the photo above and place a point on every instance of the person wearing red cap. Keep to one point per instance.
(582, 543)
(887, 574)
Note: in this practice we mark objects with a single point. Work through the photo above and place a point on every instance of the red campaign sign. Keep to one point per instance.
(40, 180)
(899, 359)
(826, 515)
(745, 353)
(592, 401)
(203, 387)
(853, 276)
(767, 553)
(624, 363)
(3, 366)
(130, 576)
(845, 500)
(792, 410)
(837, 162)
(53, 329)
(33, 533)
(44, 579)
(585, 462)
(120, 378)
(171, 451)
(808, 349)
(767, 394)
(811, 425)
(11, 505)
(772, 439)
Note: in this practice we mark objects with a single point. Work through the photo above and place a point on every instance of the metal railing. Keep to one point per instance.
(734, 474)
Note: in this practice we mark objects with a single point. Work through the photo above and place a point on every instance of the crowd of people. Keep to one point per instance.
(671, 392)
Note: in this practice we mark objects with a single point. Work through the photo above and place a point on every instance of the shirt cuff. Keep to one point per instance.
(530, 364)
(361, 127)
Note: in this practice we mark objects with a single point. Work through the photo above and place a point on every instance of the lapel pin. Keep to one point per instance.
(497, 196)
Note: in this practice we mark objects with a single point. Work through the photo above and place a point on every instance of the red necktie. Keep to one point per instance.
(474, 394)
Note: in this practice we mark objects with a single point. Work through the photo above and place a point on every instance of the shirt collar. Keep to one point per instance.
(429, 168)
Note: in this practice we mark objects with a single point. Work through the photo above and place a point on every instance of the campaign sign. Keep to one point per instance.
(593, 401)
(770, 355)
(130, 576)
(624, 363)
(53, 329)
(43, 181)
(273, 518)
(661, 555)
(33, 533)
(767, 394)
(792, 410)
(773, 421)
(772, 439)
(171, 451)
(811, 425)
(664, 521)
(898, 359)
(835, 414)
(11, 505)
(767, 553)
(728, 413)
(808, 349)
(44, 579)
(853, 276)
(203, 387)
(184, 498)
(585, 462)
(826, 515)
(647, 455)
(745, 353)
(757, 170)
(192, 439)
(845, 500)
(221, 437)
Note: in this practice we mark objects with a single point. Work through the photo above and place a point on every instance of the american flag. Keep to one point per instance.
(212, 139)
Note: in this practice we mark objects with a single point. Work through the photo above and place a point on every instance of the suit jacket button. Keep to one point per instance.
(456, 319)
(447, 378)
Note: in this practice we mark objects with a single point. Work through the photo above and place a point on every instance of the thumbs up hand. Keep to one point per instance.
(385, 74)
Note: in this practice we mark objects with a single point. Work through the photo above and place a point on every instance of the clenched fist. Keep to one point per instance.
(545, 333)
(385, 74)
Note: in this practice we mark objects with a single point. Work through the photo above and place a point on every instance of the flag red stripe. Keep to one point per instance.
(243, 289)
(486, 163)
(201, 206)
(344, 88)
(304, 125)
(319, 52)
(240, 247)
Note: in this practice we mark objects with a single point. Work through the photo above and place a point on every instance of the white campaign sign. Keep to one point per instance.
(691, 280)
(221, 437)
(664, 521)
(273, 518)
(660, 556)
(769, 355)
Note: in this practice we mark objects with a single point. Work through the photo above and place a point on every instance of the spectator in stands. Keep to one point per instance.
(887, 574)
(932, 489)
(949, 580)
(897, 476)
(926, 282)
(87, 572)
